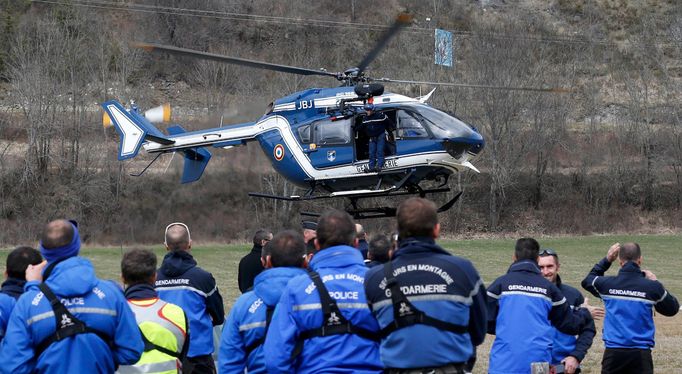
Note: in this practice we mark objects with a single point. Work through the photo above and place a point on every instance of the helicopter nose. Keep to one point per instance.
(458, 147)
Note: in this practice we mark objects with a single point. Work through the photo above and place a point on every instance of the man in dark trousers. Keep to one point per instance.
(567, 350)
(250, 265)
(17, 262)
(523, 310)
(181, 282)
(374, 124)
(629, 299)
(430, 305)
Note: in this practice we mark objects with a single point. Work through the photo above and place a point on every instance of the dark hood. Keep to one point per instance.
(176, 263)
(13, 287)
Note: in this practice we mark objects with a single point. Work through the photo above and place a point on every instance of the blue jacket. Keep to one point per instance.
(99, 304)
(181, 282)
(628, 299)
(343, 273)
(10, 291)
(444, 287)
(565, 345)
(246, 322)
(375, 124)
(6, 305)
(522, 308)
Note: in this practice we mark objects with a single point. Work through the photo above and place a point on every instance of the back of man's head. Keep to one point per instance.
(335, 228)
(527, 249)
(629, 252)
(261, 235)
(177, 237)
(417, 217)
(138, 266)
(286, 249)
(19, 259)
(379, 246)
(360, 231)
(57, 234)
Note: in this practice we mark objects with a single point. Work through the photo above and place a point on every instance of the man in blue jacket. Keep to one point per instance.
(430, 304)
(98, 328)
(322, 322)
(374, 124)
(568, 350)
(13, 287)
(241, 346)
(629, 299)
(523, 308)
(181, 282)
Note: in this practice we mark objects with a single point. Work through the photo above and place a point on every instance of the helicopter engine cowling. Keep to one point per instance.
(367, 90)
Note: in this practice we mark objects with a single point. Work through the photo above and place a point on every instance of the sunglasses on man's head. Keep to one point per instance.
(165, 234)
(548, 252)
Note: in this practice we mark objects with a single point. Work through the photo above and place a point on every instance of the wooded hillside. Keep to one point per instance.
(606, 157)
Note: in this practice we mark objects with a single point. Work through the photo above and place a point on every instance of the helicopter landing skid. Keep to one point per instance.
(385, 212)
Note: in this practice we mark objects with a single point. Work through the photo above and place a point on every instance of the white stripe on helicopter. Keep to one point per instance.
(333, 101)
(279, 123)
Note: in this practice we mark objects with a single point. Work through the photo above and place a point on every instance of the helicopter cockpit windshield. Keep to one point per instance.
(442, 125)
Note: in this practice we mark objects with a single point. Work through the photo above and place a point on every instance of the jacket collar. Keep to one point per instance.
(13, 287)
(630, 268)
(558, 281)
(257, 249)
(140, 291)
(176, 263)
(270, 283)
(420, 244)
(524, 265)
(336, 256)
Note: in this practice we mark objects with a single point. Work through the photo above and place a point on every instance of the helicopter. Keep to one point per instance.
(311, 137)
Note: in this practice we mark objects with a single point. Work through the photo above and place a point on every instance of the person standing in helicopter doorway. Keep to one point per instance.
(374, 124)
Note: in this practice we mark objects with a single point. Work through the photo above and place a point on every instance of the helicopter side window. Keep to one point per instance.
(304, 134)
(336, 132)
(409, 126)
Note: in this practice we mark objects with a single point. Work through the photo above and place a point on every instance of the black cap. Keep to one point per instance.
(310, 225)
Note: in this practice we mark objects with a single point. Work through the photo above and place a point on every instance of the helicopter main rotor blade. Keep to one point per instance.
(483, 86)
(403, 19)
(150, 47)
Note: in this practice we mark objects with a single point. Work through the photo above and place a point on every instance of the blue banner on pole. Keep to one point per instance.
(443, 54)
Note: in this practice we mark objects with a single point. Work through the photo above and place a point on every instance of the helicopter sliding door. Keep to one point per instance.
(333, 143)
(362, 140)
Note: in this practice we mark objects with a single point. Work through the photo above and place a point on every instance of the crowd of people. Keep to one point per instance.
(322, 300)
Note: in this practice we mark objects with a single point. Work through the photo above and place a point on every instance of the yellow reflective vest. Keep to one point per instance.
(163, 325)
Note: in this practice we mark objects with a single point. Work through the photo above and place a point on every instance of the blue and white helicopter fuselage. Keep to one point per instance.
(310, 138)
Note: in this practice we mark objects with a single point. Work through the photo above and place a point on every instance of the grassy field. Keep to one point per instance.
(662, 254)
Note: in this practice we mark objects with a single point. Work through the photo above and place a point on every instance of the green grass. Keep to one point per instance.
(662, 255)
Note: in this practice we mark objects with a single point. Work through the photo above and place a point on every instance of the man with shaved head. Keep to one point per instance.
(181, 282)
(628, 299)
(68, 321)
